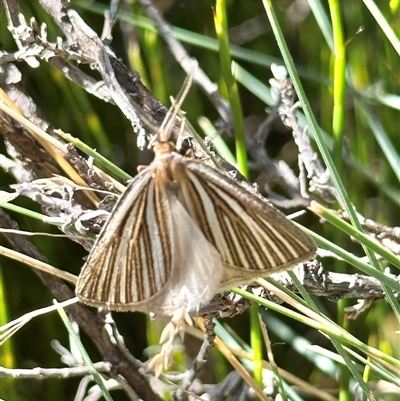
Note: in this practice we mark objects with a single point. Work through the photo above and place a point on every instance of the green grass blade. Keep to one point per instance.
(384, 25)
(96, 376)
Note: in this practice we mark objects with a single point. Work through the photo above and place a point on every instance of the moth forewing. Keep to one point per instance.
(253, 238)
(107, 276)
(150, 256)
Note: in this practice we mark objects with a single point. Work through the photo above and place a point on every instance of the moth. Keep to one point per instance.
(182, 225)
(182, 232)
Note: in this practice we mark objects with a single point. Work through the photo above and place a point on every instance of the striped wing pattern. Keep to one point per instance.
(107, 277)
(150, 255)
(253, 238)
(180, 233)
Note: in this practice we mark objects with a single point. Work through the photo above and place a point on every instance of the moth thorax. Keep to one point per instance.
(163, 147)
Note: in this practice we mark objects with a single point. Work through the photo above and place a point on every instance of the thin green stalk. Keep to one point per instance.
(308, 302)
(344, 393)
(374, 368)
(7, 354)
(344, 198)
(339, 81)
(134, 52)
(384, 25)
(111, 167)
(203, 146)
(262, 91)
(353, 260)
(317, 8)
(328, 327)
(366, 374)
(389, 149)
(96, 376)
(256, 344)
(86, 121)
(344, 377)
(326, 361)
(153, 51)
(278, 377)
(23, 211)
(221, 27)
(218, 143)
(353, 232)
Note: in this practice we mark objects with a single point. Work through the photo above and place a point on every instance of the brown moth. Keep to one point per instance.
(182, 232)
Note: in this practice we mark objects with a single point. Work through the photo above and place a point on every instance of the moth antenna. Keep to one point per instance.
(169, 120)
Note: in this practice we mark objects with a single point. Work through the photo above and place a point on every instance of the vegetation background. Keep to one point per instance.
(350, 75)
